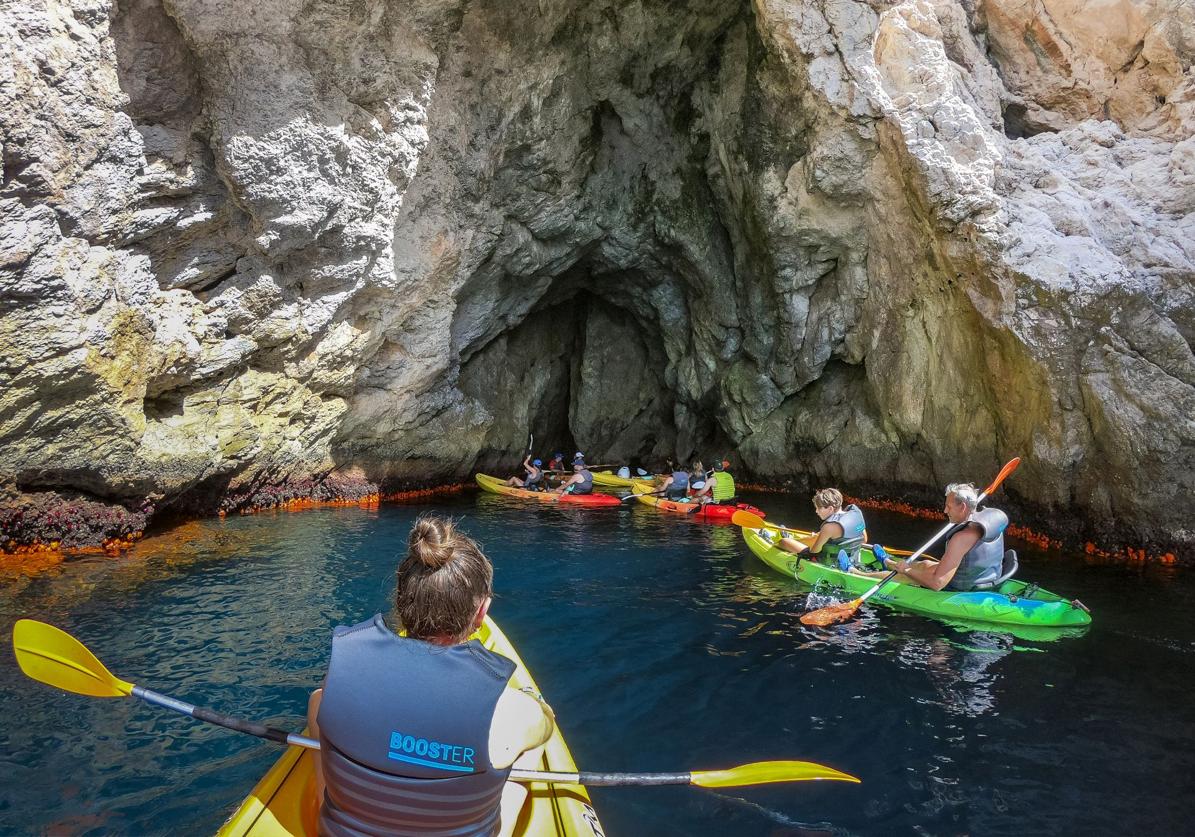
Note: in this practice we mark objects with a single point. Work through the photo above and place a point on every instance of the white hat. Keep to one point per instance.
(578, 455)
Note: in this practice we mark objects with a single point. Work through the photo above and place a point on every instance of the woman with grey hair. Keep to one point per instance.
(974, 550)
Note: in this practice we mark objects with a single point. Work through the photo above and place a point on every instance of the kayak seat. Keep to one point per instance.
(1008, 568)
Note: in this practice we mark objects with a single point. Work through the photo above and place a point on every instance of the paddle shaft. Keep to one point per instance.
(280, 736)
(600, 780)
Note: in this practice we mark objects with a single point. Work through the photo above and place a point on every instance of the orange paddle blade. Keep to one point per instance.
(831, 614)
(1008, 468)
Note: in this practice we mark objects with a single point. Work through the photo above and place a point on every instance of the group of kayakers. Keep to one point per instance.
(436, 754)
(536, 478)
(695, 484)
(973, 558)
(699, 485)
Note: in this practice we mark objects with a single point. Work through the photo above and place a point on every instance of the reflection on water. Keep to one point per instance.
(662, 644)
(960, 673)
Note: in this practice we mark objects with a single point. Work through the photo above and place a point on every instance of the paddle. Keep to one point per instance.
(750, 520)
(54, 657)
(632, 496)
(696, 506)
(840, 612)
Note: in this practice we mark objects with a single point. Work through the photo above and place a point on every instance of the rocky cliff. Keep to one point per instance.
(874, 244)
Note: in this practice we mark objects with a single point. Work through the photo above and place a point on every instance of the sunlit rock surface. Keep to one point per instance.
(882, 245)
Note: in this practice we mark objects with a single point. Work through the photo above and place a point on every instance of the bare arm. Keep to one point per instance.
(313, 704)
(521, 722)
(829, 530)
(937, 574)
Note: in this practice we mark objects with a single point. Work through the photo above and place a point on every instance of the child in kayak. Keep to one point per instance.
(841, 527)
(418, 732)
(535, 475)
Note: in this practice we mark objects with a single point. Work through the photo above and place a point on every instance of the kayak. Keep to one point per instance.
(283, 802)
(609, 479)
(1012, 603)
(497, 486)
(709, 512)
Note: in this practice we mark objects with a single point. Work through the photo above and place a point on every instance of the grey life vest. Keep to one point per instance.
(534, 477)
(586, 484)
(853, 526)
(404, 735)
(981, 564)
(679, 489)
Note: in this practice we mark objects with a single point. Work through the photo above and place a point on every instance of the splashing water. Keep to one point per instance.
(823, 594)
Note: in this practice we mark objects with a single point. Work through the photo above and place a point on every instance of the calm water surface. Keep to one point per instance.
(661, 643)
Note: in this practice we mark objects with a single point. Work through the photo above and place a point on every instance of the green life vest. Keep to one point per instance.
(723, 486)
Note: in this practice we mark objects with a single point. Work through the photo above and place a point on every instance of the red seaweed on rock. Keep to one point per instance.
(47, 521)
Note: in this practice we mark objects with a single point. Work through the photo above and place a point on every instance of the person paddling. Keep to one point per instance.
(676, 485)
(556, 463)
(581, 482)
(974, 552)
(418, 732)
(535, 475)
(719, 486)
(841, 527)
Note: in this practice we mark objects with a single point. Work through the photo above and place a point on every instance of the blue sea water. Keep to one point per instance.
(662, 644)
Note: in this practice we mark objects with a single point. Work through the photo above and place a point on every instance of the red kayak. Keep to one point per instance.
(709, 512)
(498, 486)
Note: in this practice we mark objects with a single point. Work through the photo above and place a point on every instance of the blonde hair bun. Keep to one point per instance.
(430, 541)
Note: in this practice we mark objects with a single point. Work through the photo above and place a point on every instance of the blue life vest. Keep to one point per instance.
(853, 526)
(586, 484)
(679, 489)
(982, 563)
(404, 735)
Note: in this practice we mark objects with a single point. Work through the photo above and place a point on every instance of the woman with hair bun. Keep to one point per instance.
(418, 728)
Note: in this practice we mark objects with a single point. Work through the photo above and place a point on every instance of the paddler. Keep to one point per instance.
(556, 463)
(419, 732)
(581, 482)
(841, 527)
(719, 486)
(535, 475)
(676, 485)
(974, 553)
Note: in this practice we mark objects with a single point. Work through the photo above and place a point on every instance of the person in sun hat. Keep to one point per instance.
(535, 475)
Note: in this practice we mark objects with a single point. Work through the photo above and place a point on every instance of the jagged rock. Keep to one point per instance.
(884, 244)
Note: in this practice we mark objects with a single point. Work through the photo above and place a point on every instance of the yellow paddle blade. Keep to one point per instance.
(56, 658)
(747, 520)
(764, 772)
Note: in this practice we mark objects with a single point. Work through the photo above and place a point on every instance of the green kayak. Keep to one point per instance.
(1012, 603)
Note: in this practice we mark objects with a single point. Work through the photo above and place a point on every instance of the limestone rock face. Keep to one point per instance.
(875, 244)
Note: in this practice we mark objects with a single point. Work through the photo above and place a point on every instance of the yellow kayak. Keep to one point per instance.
(609, 479)
(283, 802)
